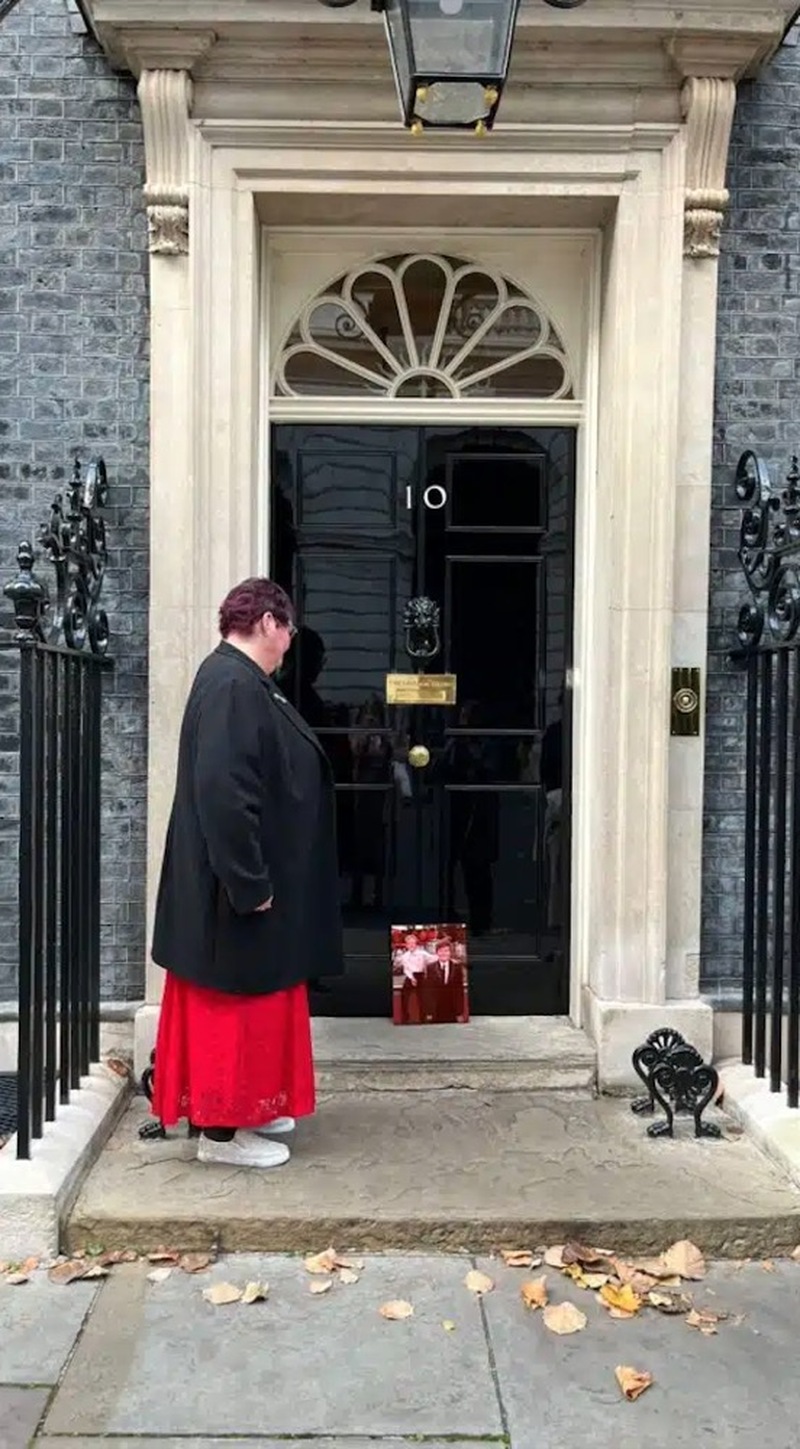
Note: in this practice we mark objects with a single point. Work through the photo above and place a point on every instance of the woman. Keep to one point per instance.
(248, 903)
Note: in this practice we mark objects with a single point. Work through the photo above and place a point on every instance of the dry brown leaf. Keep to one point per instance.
(585, 1257)
(518, 1258)
(5, 1267)
(164, 1255)
(222, 1294)
(159, 1275)
(685, 1261)
(563, 1318)
(479, 1283)
(585, 1279)
(346, 1275)
(633, 1382)
(15, 1280)
(795, 1254)
(97, 1270)
(320, 1286)
(621, 1300)
(396, 1308)
(669, 1302)
(703, 1320)
(554, 1257)
(322, 1262)
(29, 1266)
(534, 1293)
(196, 1262)
(255, 1292)
(355, 1265)
(68, 1272)
(768, 1265)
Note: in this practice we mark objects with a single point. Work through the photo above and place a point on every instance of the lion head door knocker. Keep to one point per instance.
(422, 628)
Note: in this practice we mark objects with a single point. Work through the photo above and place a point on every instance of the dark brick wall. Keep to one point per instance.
(73, 380)
(758, 406)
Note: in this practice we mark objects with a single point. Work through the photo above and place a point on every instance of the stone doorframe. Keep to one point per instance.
(643, 510)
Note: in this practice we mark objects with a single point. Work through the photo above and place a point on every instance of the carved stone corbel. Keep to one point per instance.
(708, 107)
(165, 97)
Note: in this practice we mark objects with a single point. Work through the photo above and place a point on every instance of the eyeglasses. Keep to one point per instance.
(282, 623)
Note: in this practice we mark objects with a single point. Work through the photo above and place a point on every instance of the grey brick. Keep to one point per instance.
(73, 380)
(757, 405)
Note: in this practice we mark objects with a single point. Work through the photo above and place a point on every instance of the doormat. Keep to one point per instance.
(8, 1104)
(430, 985)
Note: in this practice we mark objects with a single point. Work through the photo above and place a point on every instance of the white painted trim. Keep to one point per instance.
(427, 412)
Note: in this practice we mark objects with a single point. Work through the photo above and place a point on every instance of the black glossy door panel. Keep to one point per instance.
(365, 518)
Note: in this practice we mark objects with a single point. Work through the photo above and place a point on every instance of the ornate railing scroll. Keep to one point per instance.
(73, 539)
(769, 553)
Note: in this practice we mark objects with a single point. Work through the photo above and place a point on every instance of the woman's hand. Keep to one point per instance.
(266, 906)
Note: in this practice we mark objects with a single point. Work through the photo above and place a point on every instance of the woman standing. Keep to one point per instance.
(248, 904)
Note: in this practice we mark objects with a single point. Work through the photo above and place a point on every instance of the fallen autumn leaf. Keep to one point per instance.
(320, 1286)
(633, 1382)
(518, 1258)
(321, 1262)
(554, 1257)
(346, 1275)
(685, 1260)
(396, 1308)
(479, 1283)
(222, 1294)
(68, 1272)
(620, 1300)
(534, 1293)
(255, 1292)
(703, 1320)
(196, 1262)
(563, 1318)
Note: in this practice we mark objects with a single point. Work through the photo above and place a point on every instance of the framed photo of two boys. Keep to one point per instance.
(429, 975)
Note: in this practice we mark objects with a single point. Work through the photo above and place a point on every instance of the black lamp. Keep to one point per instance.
(450, 58)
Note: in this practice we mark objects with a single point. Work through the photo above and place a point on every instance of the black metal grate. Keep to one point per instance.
(8, 1104)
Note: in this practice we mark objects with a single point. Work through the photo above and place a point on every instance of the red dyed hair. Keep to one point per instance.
(247, 602)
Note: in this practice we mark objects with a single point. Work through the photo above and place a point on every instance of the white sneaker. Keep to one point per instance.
(278, 1127)
(246, 1149)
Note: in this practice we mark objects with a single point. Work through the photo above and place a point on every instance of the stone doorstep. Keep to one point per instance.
(494, 1053)
(36, 1195)
(460, 1170)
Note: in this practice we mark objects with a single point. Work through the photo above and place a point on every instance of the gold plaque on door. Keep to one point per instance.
(420, 689)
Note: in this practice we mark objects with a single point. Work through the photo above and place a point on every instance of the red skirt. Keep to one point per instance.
(232, 1061)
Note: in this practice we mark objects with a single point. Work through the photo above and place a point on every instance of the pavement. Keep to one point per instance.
(131, 1363)
(447, 1170)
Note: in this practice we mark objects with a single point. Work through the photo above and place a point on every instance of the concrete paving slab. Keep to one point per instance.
(159, 1360)
(20, 1412)
(737, 1390)
(447, 1170)
(39, 1323)
(46, 1442)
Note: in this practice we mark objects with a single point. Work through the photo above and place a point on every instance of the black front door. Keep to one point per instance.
(446, 813)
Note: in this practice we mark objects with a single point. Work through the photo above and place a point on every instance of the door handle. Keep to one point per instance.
(419, 756)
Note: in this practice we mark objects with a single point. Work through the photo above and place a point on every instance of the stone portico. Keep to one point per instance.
(271, 129)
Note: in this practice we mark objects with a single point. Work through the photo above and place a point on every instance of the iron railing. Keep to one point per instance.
(61, 654)
(769, 651)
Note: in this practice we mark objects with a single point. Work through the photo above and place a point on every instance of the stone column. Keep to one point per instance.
(708, 106)
(165, 98)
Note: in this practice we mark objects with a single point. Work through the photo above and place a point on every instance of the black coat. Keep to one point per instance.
(253, 817)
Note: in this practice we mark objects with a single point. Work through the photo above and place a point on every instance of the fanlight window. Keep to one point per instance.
(423, 327)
